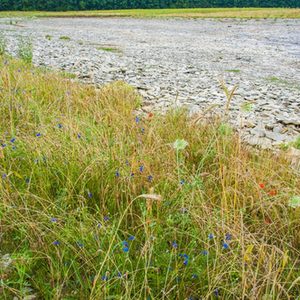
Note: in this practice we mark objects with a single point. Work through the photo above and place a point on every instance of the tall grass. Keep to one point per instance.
(98, 201)
(3, 44)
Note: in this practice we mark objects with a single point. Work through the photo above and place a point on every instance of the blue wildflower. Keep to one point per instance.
(225, 246)
(53, 220)
(119, 275)
(150, 178)
(141, 168)
(228, 237)
(117, 174)
(4, 176)
(182, 182)
(3, 145)
(210, 236)
(137, 120)
(125, 249)
(204, 252)
(78, 135)
(216, 292)
(125, 243)
(13, 140)
(132, 174)
(90, 195)
(27, 180)
(185, 262)
(99, 225)
(194, 276)
(106, 218)
(59, 126)
(174, 245)
(79, 244)
(56, 243)
(104, 278)
(131, 238)
(38, 134)
(142, 130)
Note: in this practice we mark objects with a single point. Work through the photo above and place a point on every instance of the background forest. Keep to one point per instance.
(56, 5)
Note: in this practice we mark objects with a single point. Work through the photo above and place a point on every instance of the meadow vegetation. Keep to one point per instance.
(102, 201)
(240, 13)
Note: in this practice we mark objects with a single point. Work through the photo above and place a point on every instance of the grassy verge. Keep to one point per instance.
(98, 202)
(244, 13)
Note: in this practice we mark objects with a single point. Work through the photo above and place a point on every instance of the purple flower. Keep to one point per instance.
(216, 292)
(141, 168)
(210, 236)
(56, 243)
(106, 218)
(228, 237)
(104, 278)
(99, 225)
(117, 174)
(90, 195)
(3, 145)
(53, 220)
(174, 245)
(150, 178)
(204, 252)
(78, 135)
(38, 134)
(137, 120)
(13, 140)
(4, 176)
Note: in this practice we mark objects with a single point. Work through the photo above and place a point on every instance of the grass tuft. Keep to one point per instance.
(99, 201)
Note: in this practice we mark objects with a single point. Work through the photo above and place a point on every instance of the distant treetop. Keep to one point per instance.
(62, 5)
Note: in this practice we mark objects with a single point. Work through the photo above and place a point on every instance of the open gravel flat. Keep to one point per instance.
(180, 62)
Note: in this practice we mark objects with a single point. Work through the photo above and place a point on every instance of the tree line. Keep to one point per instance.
(58, 5)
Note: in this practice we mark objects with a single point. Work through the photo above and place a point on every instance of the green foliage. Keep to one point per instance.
(54, 5)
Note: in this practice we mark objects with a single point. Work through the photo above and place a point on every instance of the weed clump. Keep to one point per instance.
(25, 49)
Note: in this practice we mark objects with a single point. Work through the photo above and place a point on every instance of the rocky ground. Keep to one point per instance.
(180, 62)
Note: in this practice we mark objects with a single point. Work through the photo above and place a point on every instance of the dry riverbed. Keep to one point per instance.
(180, 62)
